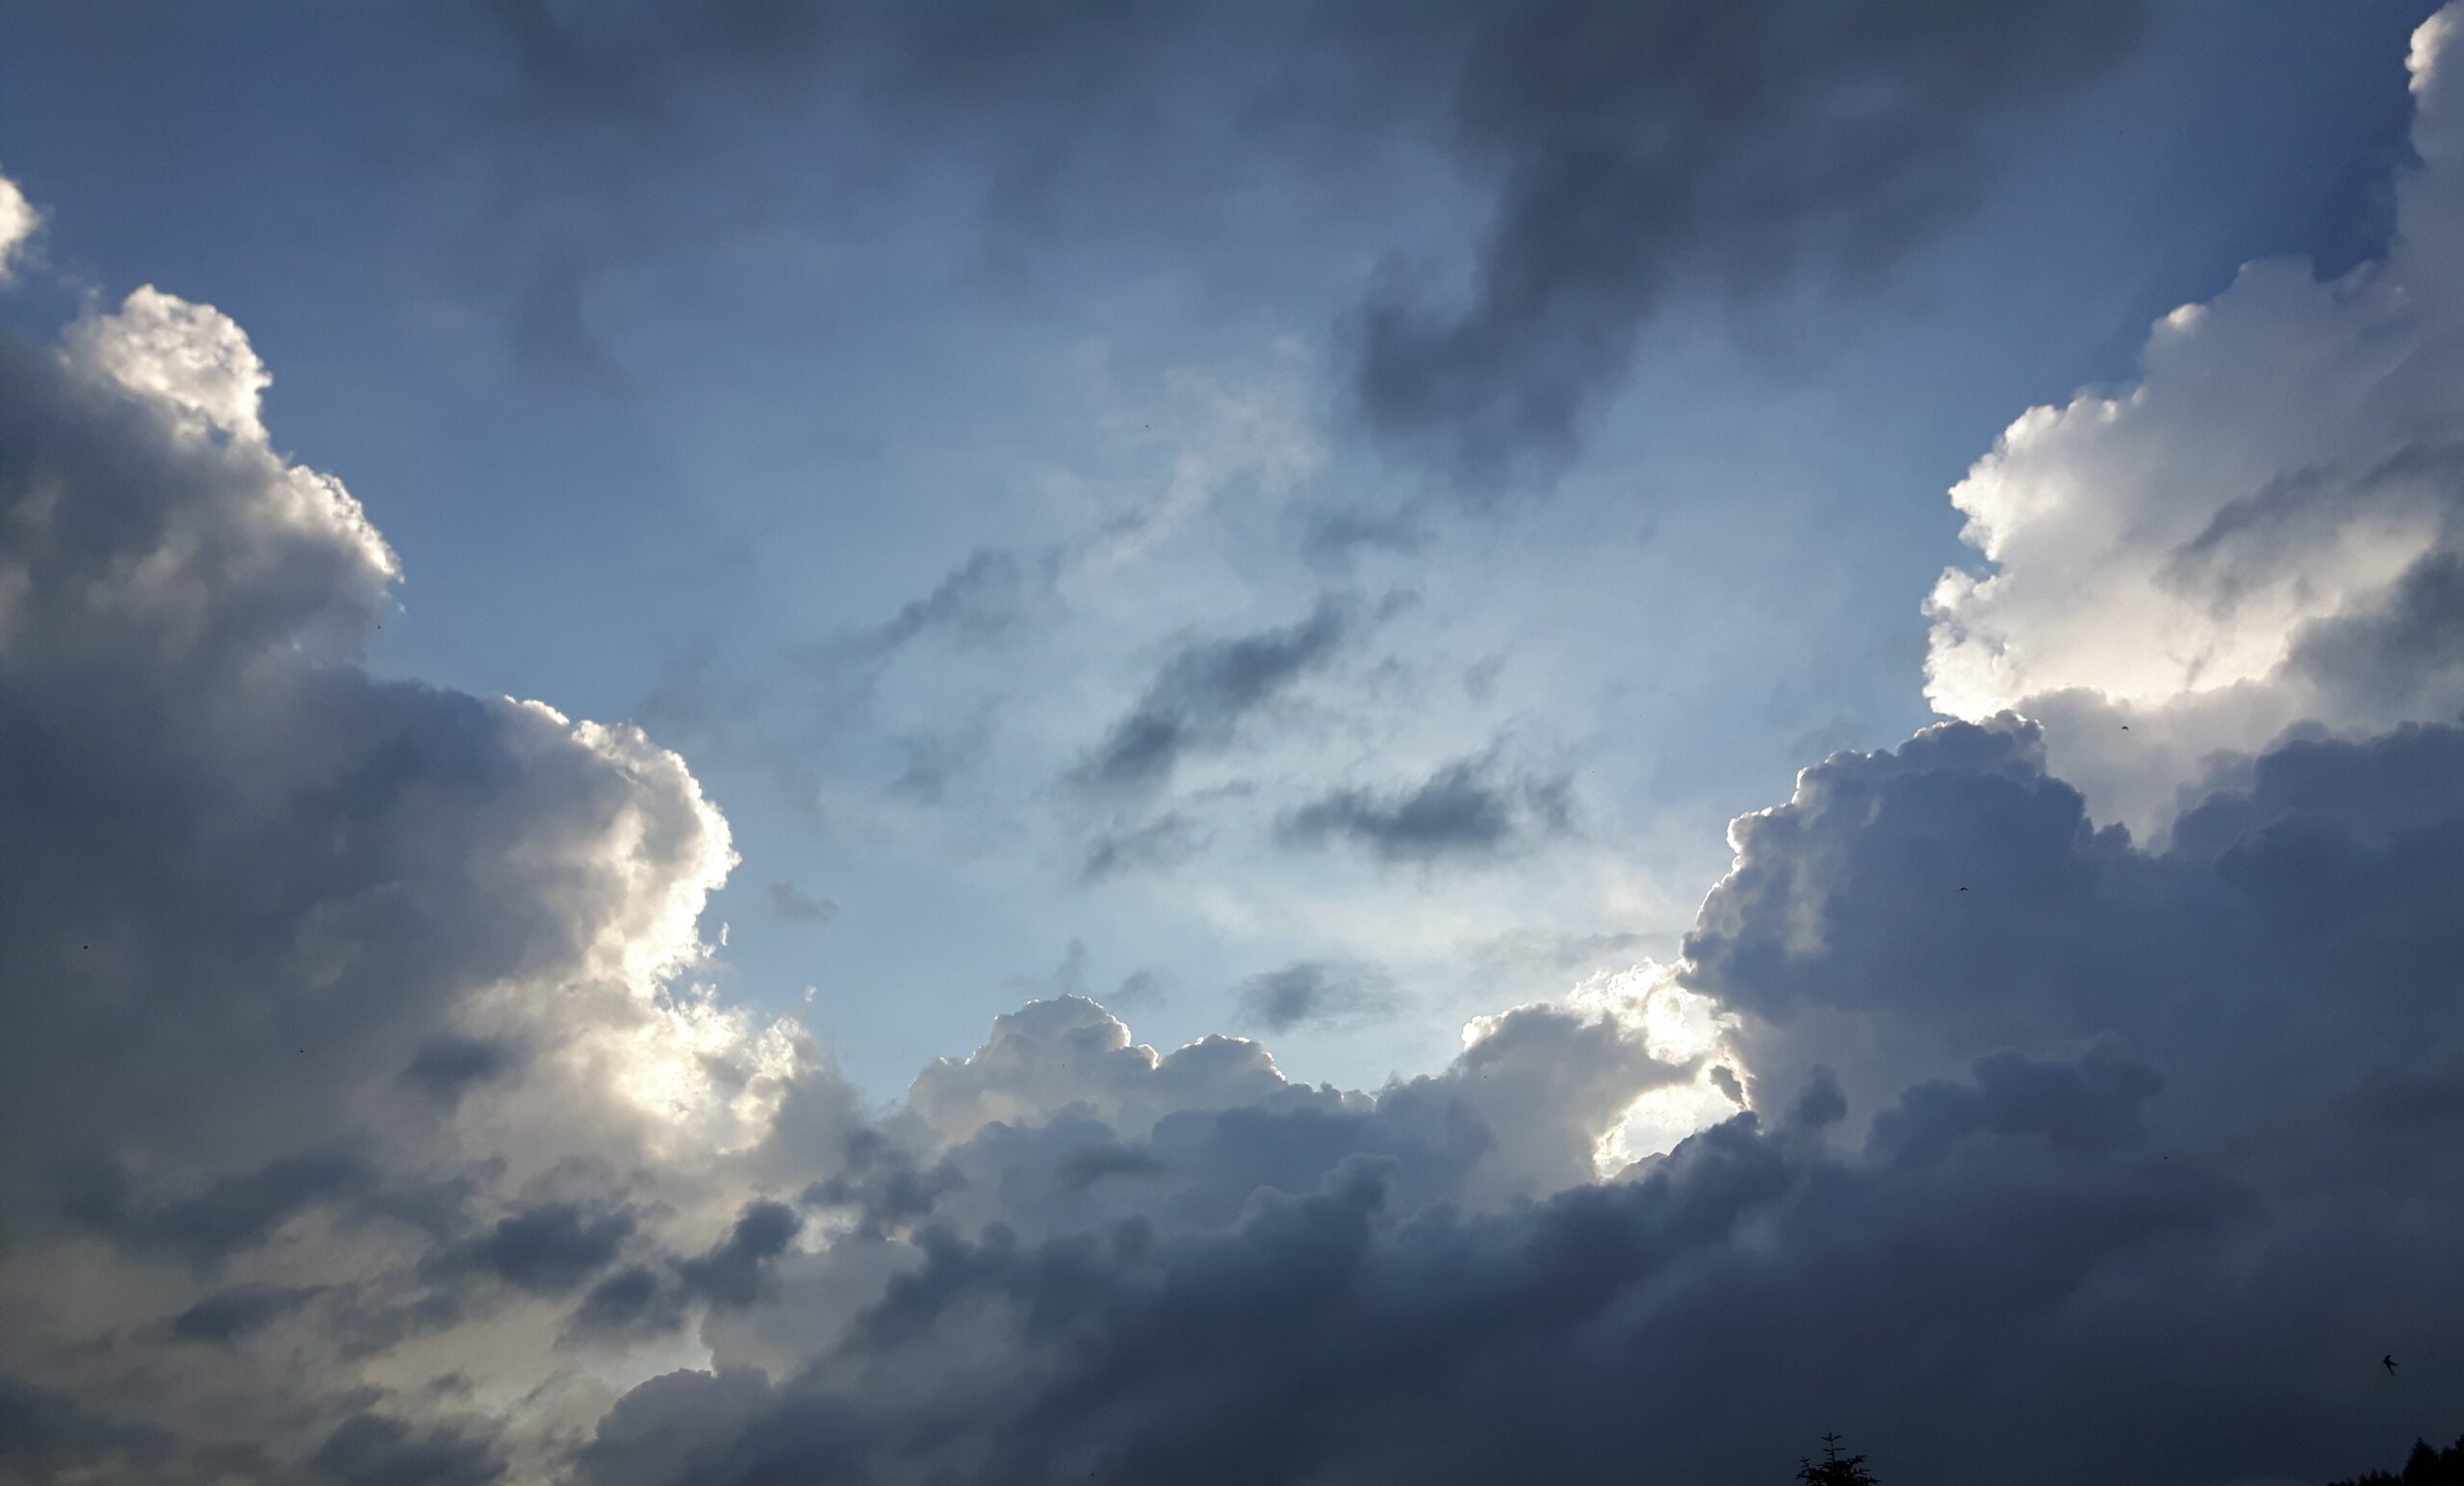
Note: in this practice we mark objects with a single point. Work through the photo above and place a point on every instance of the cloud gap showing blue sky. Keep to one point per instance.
(1116, 742)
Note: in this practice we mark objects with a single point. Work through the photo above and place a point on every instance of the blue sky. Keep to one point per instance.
(1307, 522)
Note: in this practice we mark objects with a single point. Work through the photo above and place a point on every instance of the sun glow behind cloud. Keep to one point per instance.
(1676, 1026)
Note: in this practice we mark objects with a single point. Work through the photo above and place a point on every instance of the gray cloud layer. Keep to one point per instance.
(367, 1125)
(1635, 152)
(1964, 1273)
(1642, 149)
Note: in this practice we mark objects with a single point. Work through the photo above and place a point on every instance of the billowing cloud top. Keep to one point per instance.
(2264, 530)
(368, 1124)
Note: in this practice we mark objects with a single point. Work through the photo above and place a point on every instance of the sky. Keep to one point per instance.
(1331, 742)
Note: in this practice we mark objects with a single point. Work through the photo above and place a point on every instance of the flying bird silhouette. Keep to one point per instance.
(2388, 1363)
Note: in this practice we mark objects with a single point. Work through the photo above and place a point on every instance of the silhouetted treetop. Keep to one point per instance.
(1835, 1469)
(2424, 1467)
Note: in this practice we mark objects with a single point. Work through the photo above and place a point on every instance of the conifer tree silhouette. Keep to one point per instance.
(1835, 1469)
(2427, 1466)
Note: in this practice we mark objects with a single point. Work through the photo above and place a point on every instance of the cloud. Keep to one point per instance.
(1633, 156)
(449, 1064)
(552, 1249)
(373, 1448)
(2185, 1102)
(18, 221)
(933, 759)
(406, 1145)
(1641, 152)
(366, 989)
(45, 1434)
(1087, 1165)
(226, 1315)
(2262, 529)
(1154, 843)
(988, 594)
(1203, 692)
(1291, 1341)
(1051, 1055)
(235, 1211)
(1315, 993)
(1462, 811)
(736, 1272)
(793, 904)
(1996, 1231)
(1138, 987)
(883, 1185)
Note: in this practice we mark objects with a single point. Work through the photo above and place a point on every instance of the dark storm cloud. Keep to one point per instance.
(736, 1271)
(2090, 1104)
(449, 1064)
(549, 1249)
(633, 1298)
(883, 1186)
(1084, 1166)
(272, 933)
(228, 1315)
(372, 1450)
(47, 1435)
(268, 924)
(2193, 1108)
(1606, 1330)
(1315, 993)
(1850, 894)
(1641, 149)
(2182, 1071)
(1464, 812)
(234, 1213)
(1203, 692)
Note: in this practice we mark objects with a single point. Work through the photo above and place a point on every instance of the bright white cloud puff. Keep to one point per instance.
(2264, 530)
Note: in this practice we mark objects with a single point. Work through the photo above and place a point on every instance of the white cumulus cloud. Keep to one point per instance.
(19, 221)
(2244, 538)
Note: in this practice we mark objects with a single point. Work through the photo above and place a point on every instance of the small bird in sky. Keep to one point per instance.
(2125, 727)
(1962, 889)
(2388, 1363)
